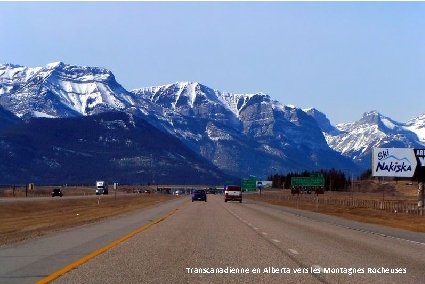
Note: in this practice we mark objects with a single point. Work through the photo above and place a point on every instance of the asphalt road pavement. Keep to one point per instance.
(218, 242)
(35, 259)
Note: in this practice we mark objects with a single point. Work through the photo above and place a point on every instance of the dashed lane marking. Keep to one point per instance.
(293, 251)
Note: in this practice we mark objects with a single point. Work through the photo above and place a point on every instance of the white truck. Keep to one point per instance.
(101, 187)
(232, 193)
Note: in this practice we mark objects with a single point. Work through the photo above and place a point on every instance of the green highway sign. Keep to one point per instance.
(316, 180)
(249, 184)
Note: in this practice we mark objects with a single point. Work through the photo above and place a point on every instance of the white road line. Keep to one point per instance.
(264, 233)
(365, 231)
(276, 241)
(293, 251)
(255, 228)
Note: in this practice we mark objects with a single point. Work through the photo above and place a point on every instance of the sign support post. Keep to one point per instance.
(401, 162)
(421, 197)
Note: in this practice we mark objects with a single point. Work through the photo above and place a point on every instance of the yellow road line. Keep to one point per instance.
(97, 252)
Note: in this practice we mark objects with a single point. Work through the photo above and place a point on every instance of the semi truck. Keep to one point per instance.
(101, 187)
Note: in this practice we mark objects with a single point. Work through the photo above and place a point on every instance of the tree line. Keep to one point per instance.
(335, 180)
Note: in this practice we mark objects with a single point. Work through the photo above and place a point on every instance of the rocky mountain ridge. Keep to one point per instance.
(241, 134)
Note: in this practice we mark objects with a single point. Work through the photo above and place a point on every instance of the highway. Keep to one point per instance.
(202, 240)
(32, 260)
(218, 242)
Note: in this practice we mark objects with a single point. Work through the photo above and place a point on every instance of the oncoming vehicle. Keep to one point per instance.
(199, 194)
(101, 187)
(232, 193)
(178, 192)
(56, 192)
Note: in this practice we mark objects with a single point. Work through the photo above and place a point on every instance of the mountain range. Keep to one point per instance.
(356, 140)
(213, 135)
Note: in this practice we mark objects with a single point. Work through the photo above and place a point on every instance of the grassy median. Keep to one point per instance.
(22, 220)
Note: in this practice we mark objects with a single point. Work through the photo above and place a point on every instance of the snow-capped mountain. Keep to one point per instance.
(60, 90)
(356, 140)
(242, 133)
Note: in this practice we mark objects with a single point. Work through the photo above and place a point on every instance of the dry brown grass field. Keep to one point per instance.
(25, 218)
(369, 191)
(32, 217)
(44, 191)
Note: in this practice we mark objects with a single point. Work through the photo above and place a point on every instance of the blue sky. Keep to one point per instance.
(344, 58)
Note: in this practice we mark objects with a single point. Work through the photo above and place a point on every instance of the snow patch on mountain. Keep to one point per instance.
(215, 133)
(41, 114)
(237, 102)
(417, 125)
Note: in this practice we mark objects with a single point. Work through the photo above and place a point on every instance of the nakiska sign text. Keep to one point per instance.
(393, 162)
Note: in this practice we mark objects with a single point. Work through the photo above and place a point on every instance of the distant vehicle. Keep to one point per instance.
(199, 194)
(56, 192)
(147, 191)
(178, 192)
(211, 190)
(101, 187)
(232, 193)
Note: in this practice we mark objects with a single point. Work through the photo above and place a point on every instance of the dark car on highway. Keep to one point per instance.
(56, 192)
(199, 194)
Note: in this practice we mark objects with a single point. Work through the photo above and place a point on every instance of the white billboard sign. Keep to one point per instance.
(264, 183)
(393, 162)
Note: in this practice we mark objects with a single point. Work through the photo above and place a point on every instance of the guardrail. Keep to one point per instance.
(394, 206)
